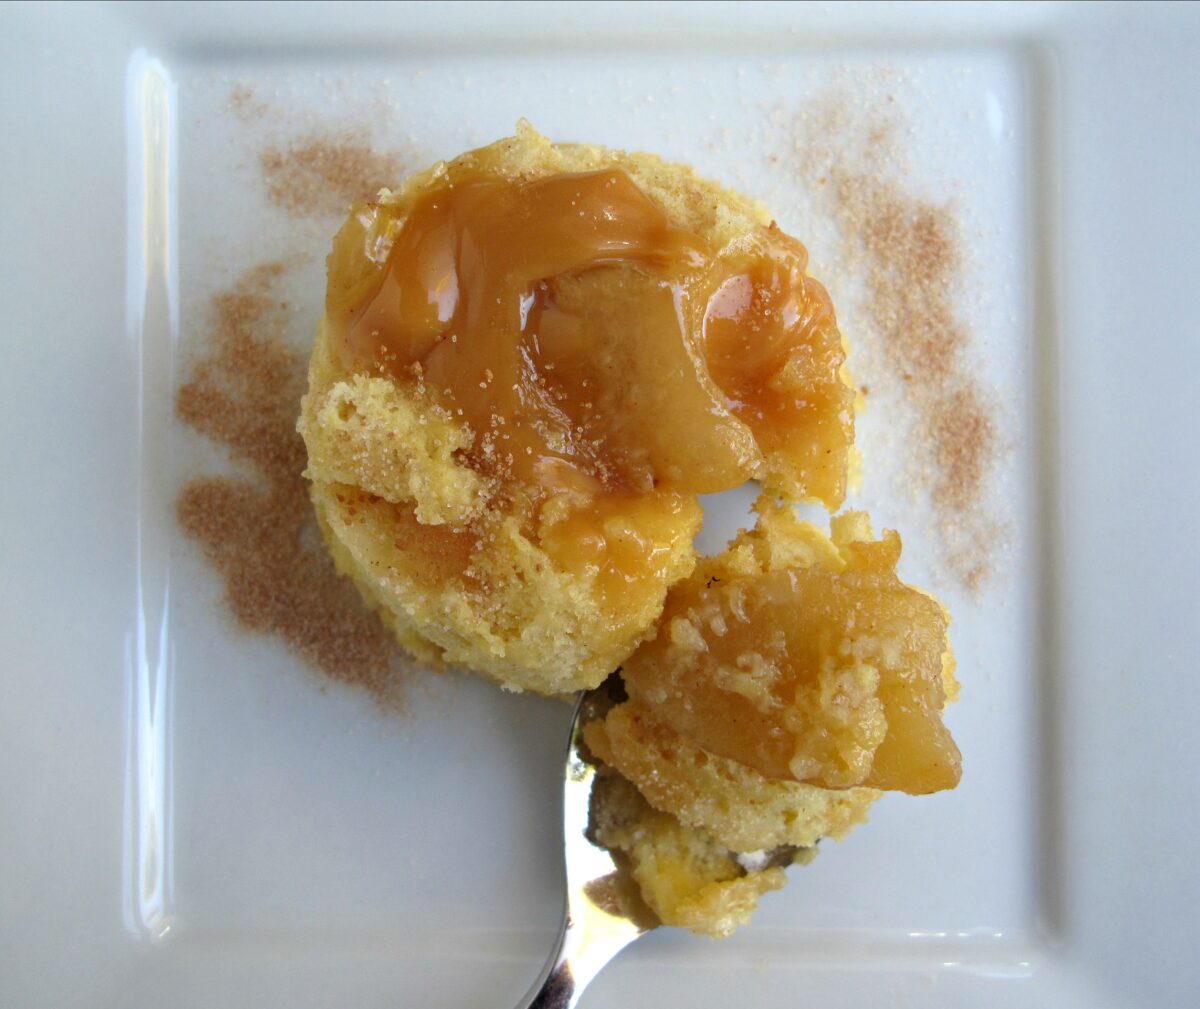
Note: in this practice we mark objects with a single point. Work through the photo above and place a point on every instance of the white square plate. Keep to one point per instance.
(191, 817)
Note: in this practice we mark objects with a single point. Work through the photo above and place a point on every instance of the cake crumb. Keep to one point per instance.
(258, 528)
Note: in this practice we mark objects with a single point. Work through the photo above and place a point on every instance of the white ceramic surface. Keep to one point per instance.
(189, 817)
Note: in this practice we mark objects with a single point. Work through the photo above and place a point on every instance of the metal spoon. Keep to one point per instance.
(594, 929)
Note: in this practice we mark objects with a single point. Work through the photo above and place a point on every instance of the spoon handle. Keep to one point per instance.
(557, 992)
(595, 926)
(555, 988)
(576, 959)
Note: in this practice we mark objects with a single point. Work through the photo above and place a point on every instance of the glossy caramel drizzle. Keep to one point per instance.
(593, 347)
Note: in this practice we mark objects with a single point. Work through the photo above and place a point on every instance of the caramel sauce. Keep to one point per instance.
(767, 330)
(597, 352)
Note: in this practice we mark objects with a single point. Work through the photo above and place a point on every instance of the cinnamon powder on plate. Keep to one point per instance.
(908, 251)
(322, 174)
(257, 528)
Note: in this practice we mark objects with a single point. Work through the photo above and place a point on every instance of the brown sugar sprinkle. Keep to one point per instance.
(909, 254)
(258, 529)
(322, 175)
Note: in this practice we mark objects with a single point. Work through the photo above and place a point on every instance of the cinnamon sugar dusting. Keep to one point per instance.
(323, 175)
(258, 529)
(908, 251)
(246, 105)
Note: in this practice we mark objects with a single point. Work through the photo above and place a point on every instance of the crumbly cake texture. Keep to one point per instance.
(738, 806)
(392, 501)
(806, 658)
(398, 507)
(684, 876)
